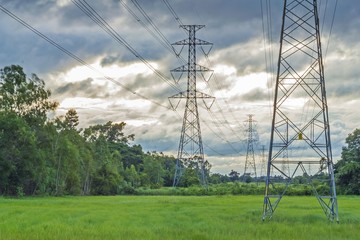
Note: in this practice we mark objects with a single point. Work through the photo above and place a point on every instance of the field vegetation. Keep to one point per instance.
(173, 217)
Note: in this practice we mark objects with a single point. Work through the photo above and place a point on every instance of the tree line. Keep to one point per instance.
(52, 156)
(42, 156)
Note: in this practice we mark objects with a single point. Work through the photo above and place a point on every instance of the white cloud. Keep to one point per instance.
(238, 59)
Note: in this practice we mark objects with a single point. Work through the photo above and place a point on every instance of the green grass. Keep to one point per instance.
(173, 217)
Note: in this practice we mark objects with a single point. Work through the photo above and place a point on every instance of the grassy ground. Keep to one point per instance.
(173, 217)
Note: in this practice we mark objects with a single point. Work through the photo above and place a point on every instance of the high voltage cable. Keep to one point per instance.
(92, 14)
(267, 38)
(331, 28)
(173, 12)
(225, 140)
(160, 37)
(228, 106)
(163, 41)
(70, 54)
(148, 19)
(216, 134)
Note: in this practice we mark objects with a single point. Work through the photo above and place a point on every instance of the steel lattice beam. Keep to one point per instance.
(300, 115)
(190, 152)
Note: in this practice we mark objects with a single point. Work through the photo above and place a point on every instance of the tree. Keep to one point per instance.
(132, 176)
(19, 160)
(153, 171)
(24, 104)
(70, 157)
(112, 132)
(106, 181)
(234, 176)
(347, 170)
(25, 96)
(216, 178)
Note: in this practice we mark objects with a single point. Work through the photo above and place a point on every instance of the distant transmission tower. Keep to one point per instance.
(250, 165)
(190, 152)
(300, 115)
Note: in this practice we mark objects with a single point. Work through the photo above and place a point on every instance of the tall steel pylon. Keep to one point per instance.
(300, 120)
(190, 152)
(250, 165)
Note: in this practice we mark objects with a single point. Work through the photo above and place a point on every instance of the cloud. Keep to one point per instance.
(241, 81)
(85, 88)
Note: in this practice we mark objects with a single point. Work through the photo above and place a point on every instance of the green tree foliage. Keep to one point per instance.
(25, 96)
(347, 170)
(153, 172)
(18, 156)
(234, 176)
(24, 104)
(54, 157)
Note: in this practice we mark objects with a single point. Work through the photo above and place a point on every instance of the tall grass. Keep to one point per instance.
(173, 217)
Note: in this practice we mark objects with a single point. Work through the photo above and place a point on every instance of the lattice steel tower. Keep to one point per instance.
(300, 116)
(250, 165)
(190, 152)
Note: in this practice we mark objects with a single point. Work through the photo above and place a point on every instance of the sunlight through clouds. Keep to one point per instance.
(243, 81)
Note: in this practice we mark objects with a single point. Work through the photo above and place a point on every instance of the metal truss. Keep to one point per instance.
(300, 125)
(190, 152)
(250, 165)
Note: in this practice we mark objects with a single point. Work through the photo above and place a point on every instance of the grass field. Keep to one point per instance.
(173, 217)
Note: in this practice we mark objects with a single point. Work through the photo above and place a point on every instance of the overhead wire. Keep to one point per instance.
(269, 56)
(171, 9)
(158, 35)
(70, 54)
(162, 40)
(103, 24)
(216, 134)
(150, 21)
(331, 28)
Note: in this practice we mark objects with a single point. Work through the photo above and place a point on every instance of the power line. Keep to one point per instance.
(173, 12)
(149, 20)
(162, 40)
(101, 22)
(331, 28)
(91, 12)
(70, 54)
(158, 35)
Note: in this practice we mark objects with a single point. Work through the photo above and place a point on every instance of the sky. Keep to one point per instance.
(242, 83)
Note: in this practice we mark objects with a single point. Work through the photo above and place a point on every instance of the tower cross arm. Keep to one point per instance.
(187, 42)
(202, 42)
(185, 68)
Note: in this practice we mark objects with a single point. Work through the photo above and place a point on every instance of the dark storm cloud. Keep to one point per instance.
(85, 88)
(235, 28)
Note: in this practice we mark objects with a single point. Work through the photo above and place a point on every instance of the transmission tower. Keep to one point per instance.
(190, 152)
(250, 166)
(300, 115)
